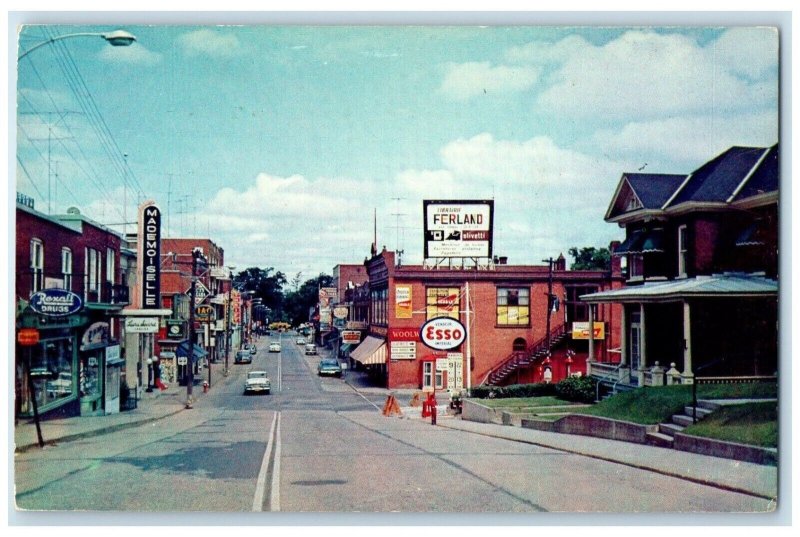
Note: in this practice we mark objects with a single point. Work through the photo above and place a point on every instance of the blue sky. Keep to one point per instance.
(278, 142)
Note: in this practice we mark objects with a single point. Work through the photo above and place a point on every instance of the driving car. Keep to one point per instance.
(243, 357)
(311, 348)
(329, 366)
(257, 382)
(274, 347)
(301, 341)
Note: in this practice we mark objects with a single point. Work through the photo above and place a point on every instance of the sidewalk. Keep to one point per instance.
(152, 406)
(728, 474)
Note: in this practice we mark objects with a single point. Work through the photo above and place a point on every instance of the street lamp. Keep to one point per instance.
(117, 38)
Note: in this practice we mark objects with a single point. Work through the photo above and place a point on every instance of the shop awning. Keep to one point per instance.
(371, 351)
(183, 350)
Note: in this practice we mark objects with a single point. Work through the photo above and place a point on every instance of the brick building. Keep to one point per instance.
(504, 310)
(69, 292)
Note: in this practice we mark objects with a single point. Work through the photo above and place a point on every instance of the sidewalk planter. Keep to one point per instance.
(603, 428)
(726, 450)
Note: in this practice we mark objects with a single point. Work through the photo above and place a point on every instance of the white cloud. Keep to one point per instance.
(650, 75)
(206, 42)
(466, 80)
(752, 52)
(690, 140)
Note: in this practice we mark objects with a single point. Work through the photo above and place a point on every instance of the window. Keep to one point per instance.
(427, 374)
(682, 249)
(577, 311)
(92, 269)
(513, 306)
(380, 305)
(66, 267)
(37, 265)
(442, 302)
(635, 266)
(110, 265)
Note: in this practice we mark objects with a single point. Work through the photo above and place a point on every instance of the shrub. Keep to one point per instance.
(515, 390)
(578, 389)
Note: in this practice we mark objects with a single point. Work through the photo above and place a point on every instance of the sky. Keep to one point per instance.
(286, 144)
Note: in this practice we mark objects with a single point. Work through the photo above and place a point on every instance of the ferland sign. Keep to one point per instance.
(442, 333)
(458, 228)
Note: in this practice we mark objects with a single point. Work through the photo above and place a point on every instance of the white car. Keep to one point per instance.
(274, 347)
(311, 348)
(301, 341)
(257, 382)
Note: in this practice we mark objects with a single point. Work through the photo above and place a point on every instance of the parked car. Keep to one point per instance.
(274, 347)
(252, 348)
(311, 348)
(329, 366)
(301, 341)
(257, 382)
(243, 357)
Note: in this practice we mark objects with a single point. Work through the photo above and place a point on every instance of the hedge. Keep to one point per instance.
(578, 389)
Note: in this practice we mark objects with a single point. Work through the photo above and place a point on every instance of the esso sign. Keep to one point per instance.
(443, 333)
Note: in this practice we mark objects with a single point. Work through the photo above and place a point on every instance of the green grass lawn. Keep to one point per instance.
(755, 424)
(752, 423)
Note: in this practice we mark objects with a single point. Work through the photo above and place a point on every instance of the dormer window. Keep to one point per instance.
(633, 203)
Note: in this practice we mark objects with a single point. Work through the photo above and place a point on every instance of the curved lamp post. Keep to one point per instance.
(117, 38)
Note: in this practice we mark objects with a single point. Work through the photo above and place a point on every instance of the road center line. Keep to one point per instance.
(258, 499)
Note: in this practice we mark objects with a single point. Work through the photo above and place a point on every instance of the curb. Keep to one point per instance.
(95, 432)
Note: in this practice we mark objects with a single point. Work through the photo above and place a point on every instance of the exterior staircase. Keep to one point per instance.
(533, 355)
(665, 436)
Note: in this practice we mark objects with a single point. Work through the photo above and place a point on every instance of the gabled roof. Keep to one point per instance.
(651, 191)
(717, 180)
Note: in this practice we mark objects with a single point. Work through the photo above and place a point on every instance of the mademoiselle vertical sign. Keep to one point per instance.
(149, 255)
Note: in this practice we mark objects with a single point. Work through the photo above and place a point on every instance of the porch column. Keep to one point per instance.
(687, 375)
(591, 333)
(642, 345)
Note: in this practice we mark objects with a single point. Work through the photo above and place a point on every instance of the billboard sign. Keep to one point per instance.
(149, 254)
(458, 228)
(402, 302)
(442, 333)
(55, 302)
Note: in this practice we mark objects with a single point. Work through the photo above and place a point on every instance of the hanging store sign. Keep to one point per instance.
(340, 312)
(201, 292)
(402, 302)
(442, 333)
(351, 336)
(580, 330)
(55, 302)
(28, 336)
(204, 313)
(141, 325)
(149, 254)
(458, 228)
(95, 337)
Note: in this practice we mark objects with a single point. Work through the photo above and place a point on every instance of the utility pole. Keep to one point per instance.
(549, 262)
(190, 362)
(228, 319)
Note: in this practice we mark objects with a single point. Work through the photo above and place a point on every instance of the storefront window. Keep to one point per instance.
(513, 306)
(51, 368)
(90, 375)
(427, 374)
(442, 302)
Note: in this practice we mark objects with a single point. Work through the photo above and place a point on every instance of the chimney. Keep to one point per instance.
(616, 261)
(560, 263)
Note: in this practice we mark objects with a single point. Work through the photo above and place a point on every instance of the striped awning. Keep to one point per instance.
(371, 351)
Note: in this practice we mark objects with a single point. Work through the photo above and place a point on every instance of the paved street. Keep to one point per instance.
(319, 445)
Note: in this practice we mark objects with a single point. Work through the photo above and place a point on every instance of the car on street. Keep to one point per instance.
(252, 348)
(243, 357)
(301, 341)
(257, 382)
(311, 348)
(274, 347)
(329, 366)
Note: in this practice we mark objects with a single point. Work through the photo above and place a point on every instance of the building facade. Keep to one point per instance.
(522, 323)
(701, 253)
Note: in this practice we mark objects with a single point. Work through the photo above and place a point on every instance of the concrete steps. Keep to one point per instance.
(665, 436)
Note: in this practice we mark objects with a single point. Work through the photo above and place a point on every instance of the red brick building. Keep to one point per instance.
(76, 367)
(504, 310)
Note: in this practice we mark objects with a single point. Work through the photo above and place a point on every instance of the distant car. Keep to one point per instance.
(257, 382)
(329, 366)
(243, 357)
(311, 348)
(253, 348)
(301, 341)
(274, 347)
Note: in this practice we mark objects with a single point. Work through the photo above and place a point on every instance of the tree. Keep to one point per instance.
(590, 258)
(298, 303)
(264, 285)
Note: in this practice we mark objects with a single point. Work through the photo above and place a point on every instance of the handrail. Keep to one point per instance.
(530, 351)
(609, 377)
